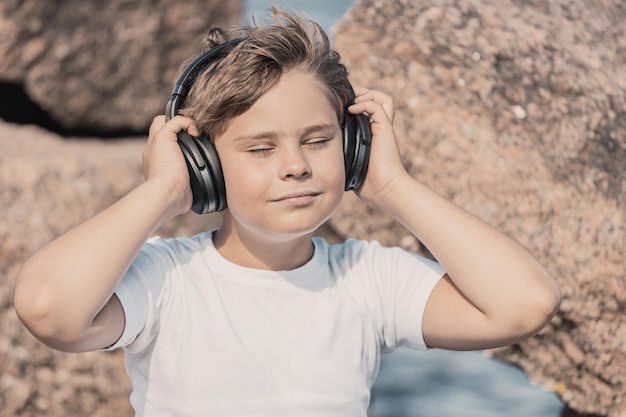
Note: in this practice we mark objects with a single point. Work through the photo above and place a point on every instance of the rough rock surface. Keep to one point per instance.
(106, 65)
(516, 111)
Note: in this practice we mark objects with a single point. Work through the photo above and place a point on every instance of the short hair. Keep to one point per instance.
(232, 83)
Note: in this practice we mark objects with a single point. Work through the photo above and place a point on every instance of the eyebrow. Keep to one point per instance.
(322, 127)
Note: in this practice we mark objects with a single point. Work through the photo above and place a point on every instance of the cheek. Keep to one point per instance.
(239, 181)
(246, 183)
(335, 166)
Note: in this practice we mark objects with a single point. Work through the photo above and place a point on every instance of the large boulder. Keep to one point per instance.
(106, 65)
(516, 111)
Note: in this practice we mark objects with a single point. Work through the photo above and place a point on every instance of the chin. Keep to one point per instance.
(294, 232)
(296, 228)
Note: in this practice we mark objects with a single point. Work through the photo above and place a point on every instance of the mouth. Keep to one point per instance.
(300, 198)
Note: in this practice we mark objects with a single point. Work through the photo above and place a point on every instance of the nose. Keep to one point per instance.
(294, 163)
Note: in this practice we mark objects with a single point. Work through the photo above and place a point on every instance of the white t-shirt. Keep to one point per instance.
(206, 337)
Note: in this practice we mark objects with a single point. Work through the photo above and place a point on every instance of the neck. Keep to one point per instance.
(260, 251)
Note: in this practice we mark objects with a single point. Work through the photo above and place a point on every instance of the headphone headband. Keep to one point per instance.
(189, 75)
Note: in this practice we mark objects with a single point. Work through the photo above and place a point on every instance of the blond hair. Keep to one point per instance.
(232, 83)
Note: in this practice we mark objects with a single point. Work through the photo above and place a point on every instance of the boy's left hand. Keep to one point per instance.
(385, 165)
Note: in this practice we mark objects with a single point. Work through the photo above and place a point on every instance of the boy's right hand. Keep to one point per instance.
(164, 162)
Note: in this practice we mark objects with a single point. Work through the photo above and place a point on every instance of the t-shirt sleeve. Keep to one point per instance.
(141, 292)
(411, 296)
(404, 281)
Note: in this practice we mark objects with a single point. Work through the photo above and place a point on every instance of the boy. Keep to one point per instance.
(258, 317)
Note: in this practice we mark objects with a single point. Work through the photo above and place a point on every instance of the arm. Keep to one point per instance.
(495, 292)
(64, 292)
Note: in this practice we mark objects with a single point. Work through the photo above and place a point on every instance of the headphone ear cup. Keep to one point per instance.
(205, 173)
(357, 140)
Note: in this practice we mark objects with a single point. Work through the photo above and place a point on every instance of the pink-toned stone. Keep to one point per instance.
(105, 65)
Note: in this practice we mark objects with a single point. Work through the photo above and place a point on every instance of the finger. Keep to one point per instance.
(157, 124)
(379, 97)
(376, 111)
(359, 90)
(179, 123)
(363, 93)
(192, 127)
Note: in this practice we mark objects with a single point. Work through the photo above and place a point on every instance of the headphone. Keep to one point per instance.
(203, 163)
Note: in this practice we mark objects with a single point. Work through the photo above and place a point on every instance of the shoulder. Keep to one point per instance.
(182, 243)
(382, 266)
(346, 248)
(356, 251)
(161, 256)
(177, 246)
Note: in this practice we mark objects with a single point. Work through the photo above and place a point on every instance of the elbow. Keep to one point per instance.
(547, 306)
(549, 297)
(542, 303)
(555, 300)
(40, 313)
(35, 311)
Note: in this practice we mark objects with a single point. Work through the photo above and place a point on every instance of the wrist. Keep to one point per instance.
(167, 196)
(386, 193)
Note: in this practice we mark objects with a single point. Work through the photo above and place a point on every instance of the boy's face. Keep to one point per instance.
(283, 160)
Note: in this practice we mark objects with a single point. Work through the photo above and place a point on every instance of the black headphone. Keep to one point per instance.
(203, 163)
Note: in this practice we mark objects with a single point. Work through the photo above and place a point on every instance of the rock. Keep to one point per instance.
(103, 65)
(516, 111)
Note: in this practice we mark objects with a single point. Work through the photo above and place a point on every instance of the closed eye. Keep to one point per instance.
(318, 143)
(260, 152)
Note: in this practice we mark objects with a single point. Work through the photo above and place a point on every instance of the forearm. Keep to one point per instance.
(63, 286)
(496, 274)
